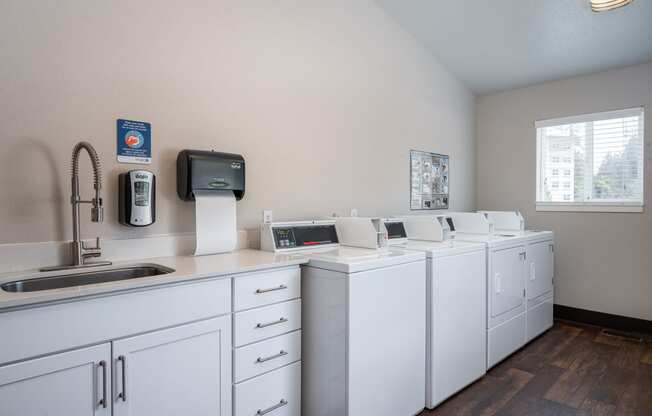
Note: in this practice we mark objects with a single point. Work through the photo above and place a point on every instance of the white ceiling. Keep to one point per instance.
(494, 45)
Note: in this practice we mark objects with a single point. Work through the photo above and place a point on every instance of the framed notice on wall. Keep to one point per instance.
(428, 180)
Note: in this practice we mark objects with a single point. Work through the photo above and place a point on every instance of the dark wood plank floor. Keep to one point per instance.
(569, 370)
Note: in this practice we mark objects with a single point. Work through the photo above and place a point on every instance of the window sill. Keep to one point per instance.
(589, 208)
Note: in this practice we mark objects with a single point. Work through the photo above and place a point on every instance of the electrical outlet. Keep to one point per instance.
(354, 212)
(267, 216)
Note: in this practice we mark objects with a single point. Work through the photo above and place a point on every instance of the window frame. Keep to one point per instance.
(592, 206)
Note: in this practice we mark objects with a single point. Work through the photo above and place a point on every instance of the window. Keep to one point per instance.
(603, 156)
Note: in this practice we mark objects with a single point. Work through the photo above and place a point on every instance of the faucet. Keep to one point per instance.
(80, 251)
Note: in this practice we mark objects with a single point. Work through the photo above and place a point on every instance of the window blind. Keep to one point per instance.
(591, 160)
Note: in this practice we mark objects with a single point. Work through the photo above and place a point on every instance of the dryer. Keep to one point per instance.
(540, 252)
(506, 276)
(363, 318)
(456, 336)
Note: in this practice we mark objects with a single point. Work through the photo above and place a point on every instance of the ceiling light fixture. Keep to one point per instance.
(605, 5)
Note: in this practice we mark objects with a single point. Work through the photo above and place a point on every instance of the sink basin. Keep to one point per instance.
(87, 277)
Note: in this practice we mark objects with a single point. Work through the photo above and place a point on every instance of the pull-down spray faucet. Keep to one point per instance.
(80, 252)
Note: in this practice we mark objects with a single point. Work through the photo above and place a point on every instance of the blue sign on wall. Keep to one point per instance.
(134, 141)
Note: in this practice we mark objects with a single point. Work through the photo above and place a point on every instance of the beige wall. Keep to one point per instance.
(324, 100)
(603, 260)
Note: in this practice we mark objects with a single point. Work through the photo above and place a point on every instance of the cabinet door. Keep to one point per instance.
(185, 370)
(541, 263)
(73, 383)
(507, 280)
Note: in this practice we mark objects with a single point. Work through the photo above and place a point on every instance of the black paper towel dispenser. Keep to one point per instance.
(200, 170)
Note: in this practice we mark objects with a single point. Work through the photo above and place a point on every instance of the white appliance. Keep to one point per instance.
(363, 320)
(506, 276)
(540, 252)
(456, 336)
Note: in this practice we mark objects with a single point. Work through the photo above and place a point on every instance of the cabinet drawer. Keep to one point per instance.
(266, 288)
(270, 321)
(275, 394)
(264, 356)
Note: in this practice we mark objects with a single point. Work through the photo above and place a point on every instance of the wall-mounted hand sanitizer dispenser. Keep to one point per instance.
(137, 198)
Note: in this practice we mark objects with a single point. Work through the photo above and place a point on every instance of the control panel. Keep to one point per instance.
(304, 236)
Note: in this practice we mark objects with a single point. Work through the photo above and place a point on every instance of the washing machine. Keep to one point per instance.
(363, 318)
(506, 276)
(456, 317)
(540, 253)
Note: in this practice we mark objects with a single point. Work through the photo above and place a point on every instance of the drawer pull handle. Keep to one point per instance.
(271, 357)
(271, 289)
(280, 321)
(280, 404)
(103, 399)
(123, 395)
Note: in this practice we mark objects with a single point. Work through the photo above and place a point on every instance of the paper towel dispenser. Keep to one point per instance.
(200, 170)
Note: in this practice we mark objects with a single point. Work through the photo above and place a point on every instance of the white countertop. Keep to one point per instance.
(186, 268)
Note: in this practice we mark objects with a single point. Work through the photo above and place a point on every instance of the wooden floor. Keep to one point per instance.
(569, 370)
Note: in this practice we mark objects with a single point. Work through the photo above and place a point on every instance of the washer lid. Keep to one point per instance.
(498, 238)
(443, 248)
(536, 235)
(351, 259)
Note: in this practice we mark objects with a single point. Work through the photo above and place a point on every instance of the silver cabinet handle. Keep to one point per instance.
(280, 321)
(271, 357)
(102, 401)
(123, 394)
(271, 289)
(552, 248)
(282, 403)
(522, 256)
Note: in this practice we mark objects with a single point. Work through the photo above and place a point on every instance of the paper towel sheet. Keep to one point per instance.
(215, 222)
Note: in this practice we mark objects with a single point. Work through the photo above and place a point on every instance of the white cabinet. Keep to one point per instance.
(73, 383)
(183, 370)
(267, 343)
(163, 351)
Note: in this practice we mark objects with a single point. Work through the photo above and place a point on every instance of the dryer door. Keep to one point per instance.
(540, 268)
(507, 280)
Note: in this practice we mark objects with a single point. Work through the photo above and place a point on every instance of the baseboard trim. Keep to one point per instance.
(606, 320)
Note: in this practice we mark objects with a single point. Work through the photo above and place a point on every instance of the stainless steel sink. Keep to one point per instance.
(85, 278)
